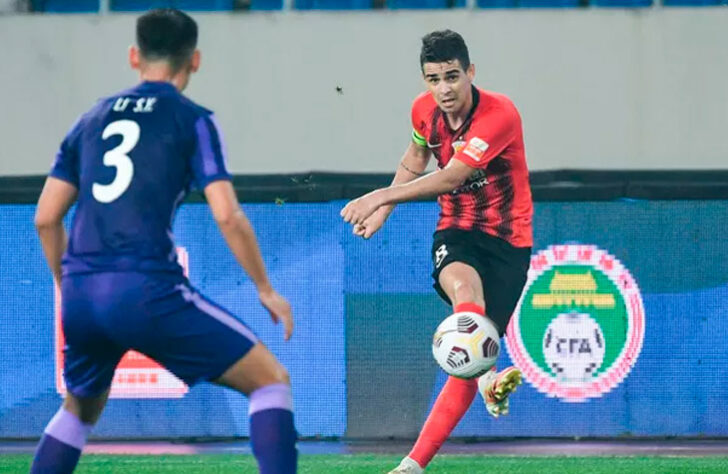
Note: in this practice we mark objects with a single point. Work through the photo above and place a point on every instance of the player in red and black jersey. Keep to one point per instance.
(482, 246)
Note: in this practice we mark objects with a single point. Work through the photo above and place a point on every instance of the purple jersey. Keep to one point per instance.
(134, 157)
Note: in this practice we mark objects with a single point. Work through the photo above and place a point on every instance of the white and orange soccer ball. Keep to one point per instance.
(466, 345)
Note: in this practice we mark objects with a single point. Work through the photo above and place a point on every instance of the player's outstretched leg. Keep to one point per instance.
(65, 436)
(495, 387)
(451, 405)
(453, 401)
(272, 433)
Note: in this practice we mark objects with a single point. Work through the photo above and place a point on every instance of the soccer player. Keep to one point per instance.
(130, 161)
(482, 246)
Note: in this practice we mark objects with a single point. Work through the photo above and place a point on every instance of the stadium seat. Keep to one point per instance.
(264, 4)
(65, 6)
(197, 5)
(188, 5)
(693, 3)
(333, 4)
(621, 3)
(550, 3)
(204, 5)
(496, 3)
(138, 5)
(424, 4)
(531, 3)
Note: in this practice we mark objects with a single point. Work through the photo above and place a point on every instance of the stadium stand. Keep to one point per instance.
(91, 6)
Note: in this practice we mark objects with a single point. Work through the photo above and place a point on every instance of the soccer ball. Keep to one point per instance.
(574, 347)
(466, 345)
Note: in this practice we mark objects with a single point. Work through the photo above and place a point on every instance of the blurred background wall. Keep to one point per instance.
(597, 88)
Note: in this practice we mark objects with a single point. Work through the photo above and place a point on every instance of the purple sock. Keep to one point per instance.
(272, 433)
(61, 444)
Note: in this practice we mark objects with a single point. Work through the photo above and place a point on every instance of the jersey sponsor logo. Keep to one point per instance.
(477, 181)
(476, 148)
(136, 376)
(458, 145)
(579, 326)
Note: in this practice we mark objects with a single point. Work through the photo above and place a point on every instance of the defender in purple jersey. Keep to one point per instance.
(128, 163)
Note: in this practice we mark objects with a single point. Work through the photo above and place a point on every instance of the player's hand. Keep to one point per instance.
(357, 211)
(279, 309)
(372, 223)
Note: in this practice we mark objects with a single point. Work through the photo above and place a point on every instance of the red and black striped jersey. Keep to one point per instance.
(496, 199)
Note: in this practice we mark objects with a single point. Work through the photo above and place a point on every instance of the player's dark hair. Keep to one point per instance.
(166, 34)
(443, 46)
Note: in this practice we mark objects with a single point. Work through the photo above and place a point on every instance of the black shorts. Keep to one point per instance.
(503, 268)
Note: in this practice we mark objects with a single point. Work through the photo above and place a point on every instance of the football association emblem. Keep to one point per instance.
(578, 329)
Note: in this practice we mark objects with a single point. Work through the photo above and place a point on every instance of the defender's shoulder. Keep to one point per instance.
(193, 107)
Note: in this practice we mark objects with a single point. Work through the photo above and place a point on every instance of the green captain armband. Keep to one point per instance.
(419, 139)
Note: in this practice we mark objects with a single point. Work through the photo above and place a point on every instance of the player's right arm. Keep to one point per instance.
(59, 193)
(55, 200)
(241, 240)
(211, 176)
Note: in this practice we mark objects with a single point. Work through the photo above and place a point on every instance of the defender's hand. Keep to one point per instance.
(279, 309)
(357, 211)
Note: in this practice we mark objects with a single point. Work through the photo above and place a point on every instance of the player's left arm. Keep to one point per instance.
(55, 200)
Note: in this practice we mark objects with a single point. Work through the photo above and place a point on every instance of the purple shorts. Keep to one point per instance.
(157, 314)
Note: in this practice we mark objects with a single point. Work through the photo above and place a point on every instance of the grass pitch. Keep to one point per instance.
(368, 464)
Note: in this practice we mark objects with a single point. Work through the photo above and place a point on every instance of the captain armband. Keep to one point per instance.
(419, 139)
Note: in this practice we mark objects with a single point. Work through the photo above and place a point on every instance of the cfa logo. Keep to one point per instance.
(579, 326)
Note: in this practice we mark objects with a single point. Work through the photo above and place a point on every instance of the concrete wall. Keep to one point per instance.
(620, 89)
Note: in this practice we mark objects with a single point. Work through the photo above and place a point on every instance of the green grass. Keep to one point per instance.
(368, 464)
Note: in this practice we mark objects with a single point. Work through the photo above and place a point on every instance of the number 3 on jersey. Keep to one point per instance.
(118, 158)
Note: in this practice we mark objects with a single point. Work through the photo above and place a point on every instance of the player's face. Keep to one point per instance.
(449, 84)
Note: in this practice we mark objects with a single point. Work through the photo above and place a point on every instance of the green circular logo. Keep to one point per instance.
(579, 326)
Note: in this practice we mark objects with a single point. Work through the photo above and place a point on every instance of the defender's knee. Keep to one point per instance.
(88, 410)
(281, 375)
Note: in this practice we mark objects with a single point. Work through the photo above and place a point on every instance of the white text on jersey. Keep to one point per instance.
(141, 105)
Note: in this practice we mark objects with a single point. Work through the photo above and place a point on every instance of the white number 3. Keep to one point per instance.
(118, 158)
